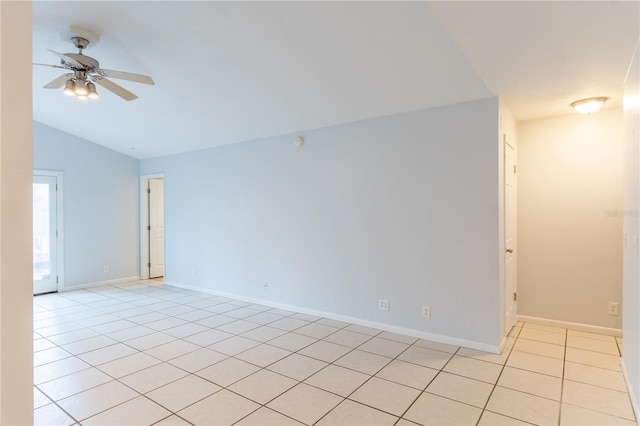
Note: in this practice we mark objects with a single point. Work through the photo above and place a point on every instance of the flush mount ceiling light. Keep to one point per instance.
(586, 106)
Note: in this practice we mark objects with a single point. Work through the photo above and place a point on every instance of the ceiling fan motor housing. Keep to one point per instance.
(88, 63)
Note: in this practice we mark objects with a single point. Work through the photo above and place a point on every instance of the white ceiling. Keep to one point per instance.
(227, 72)
(542, 55)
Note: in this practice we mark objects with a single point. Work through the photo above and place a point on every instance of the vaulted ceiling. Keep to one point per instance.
(228, 72)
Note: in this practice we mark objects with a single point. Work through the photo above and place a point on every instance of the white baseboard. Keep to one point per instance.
(345, 318)
(572, 325)
(503, 343)
(99, 283)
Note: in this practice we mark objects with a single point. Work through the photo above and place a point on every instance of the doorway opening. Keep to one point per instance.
(47, 232)
(152, 226)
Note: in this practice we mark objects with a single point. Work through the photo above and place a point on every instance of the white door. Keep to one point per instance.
(156, 227)
(509, 235)
(45, 261)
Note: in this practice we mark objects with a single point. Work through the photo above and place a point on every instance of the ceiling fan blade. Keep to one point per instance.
(113, 87)
(49, 65)
(67, 59)
(138, 78)
(58, 82)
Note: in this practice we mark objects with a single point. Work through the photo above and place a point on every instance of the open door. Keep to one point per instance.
(47, 231)
(156, 227)
(510, 235)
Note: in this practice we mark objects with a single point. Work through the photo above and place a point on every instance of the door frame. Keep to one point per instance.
(59, 175)
(144, 218)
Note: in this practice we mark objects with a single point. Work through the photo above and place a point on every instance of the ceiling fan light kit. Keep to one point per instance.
(86, 72)
(81, 88)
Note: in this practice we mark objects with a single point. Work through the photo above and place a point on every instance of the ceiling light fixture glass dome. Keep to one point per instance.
(589, 105)
(93, 94)
(69, 87)
(81, 89)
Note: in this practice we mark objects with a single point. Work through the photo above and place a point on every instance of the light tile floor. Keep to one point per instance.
(143, 353)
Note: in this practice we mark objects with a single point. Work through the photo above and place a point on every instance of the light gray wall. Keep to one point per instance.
(631, 270)
(100, 205)
(569, 248)
(403, 208)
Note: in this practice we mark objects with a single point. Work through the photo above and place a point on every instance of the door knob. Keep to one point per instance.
(509, 251)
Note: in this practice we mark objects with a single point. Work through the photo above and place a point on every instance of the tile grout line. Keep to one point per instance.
(564, 366)
(424, 390)
(495, 385)
(57, 405)
(144, 394)
(400, 417)
(326, 366)
(113, 379)
(238, 335)
(186, 296)
(371, 337)
(317, 340)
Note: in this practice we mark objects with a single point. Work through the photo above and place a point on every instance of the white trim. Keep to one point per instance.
(99, 283)
(144, 214)
(572, 325)
(632, 397)
(59, 175)
(373, 324)
(503, 343)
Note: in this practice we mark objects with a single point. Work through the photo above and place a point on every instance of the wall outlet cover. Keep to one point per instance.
(426, 312)
(383, 305)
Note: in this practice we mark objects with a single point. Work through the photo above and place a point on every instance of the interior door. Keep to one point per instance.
(509, 235)
(156, 227)
(45, 233)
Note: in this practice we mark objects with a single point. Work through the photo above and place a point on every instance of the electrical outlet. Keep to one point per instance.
(383, 305)
(614, 308)
(426, 312)
(106, 269)
(194, 273)
(266, 285)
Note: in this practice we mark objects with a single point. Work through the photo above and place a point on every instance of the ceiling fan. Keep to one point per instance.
(85, 71)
